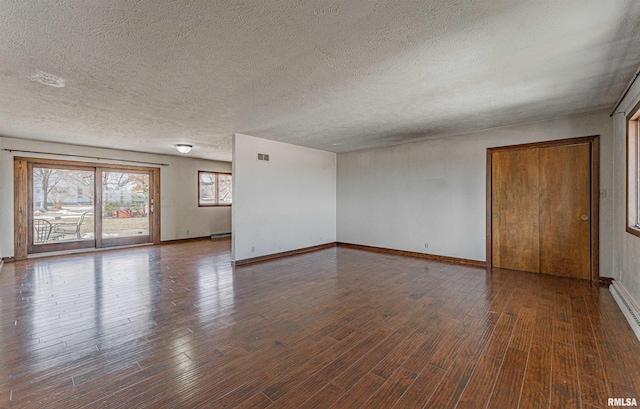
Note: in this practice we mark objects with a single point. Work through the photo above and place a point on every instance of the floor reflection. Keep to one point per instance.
(74, 307)
(215, 283)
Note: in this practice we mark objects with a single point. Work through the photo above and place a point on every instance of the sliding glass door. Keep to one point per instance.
(62, 208)
(72, 206)
(125, 207)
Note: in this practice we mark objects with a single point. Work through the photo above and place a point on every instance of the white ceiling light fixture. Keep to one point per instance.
(183, 147)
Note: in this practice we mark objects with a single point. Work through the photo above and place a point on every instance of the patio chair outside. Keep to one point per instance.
(41, 230)
(70, 228)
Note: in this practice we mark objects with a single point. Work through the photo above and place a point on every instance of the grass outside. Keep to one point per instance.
(130, 224)
(111, 227)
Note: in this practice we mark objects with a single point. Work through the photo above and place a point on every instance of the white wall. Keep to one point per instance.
(626, 246)
(180, 215)
(285, 204)
(435, 191)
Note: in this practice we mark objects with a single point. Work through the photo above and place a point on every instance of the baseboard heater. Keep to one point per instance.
(220, 235)
(628, 307)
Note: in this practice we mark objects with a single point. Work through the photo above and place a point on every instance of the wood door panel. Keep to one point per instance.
(515, 207)
(565, 198)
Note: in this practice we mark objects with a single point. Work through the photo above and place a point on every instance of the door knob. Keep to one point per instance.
(584, 217)
(495, 215)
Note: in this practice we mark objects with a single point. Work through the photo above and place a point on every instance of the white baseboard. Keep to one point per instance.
(627, 305)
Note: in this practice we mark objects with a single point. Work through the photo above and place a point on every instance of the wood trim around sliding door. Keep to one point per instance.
(20, 209)
(594, 144)
(22, 194)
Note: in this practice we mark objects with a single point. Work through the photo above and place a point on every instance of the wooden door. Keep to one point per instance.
(565, 211)
(541, 208)
(515, 210)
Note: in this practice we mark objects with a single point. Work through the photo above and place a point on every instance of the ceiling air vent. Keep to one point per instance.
(263, 157)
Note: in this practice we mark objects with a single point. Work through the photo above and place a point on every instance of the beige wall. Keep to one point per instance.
(626, 246)
(434, 191)
(4, 224)
(180, 215)
(285, 204)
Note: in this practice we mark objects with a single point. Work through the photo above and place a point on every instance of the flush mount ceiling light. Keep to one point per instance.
(183, 147)
(48, 79)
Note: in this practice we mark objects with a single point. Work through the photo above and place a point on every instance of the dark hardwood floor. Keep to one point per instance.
(176, 326)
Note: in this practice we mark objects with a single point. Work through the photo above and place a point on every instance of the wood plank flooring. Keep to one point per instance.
(177, 326)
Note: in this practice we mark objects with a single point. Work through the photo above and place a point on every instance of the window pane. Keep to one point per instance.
(125, 204)
(224, 189)
(207, 187)
(62, 205)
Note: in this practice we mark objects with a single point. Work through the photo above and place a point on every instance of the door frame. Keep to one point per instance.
(594, 151)
(23, 191)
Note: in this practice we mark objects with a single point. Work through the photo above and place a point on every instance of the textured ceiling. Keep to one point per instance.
(334, 75)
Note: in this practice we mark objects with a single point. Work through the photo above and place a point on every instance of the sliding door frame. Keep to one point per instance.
(23, 198)
(594, 145)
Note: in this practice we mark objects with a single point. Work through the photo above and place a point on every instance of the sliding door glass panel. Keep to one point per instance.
(125, 205)
(62, 205)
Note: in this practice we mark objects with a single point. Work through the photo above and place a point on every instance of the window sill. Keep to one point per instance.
(634, 230)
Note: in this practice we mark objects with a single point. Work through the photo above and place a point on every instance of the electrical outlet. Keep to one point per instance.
(253, 249)
(188, 232)
(426, 245)
(603, 193)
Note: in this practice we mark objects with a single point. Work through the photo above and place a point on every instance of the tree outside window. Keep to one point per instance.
(214, 189)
